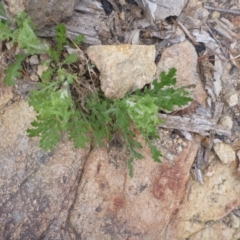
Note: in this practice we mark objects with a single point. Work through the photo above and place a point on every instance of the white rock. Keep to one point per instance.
(123, 68)
(231, 99)
(226, 121)
(225, 152)
(34, 60)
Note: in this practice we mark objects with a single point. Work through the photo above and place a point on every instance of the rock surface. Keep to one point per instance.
(61, 195)
(217, 230)
(224, 152)
(123, 68)
(64, 195)
(42, 12)
(37, 188)
(111, 205)
(205, 203)
(183, 57)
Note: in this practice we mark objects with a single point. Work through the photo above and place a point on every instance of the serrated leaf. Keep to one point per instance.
(23, 17)
(166, 79)
(64, 75)
(79, 39)
(14, 70)
(29, 42)
(54, 55)
(54, 114)
(5, 32)
(48, 130)
(156, 154)
(78, 130)
(47, 74)
(61, 37)
(99, 119)
(172, 97)
(144, 113)
(72, 58)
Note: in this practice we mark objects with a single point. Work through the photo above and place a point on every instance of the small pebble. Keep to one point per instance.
(170, 156)
(179, 149)
(226, 121)
(34, 78)
(225, 152)
(215, 15)
(184, 144)
(231, 99)
(41, 69)
(34, 60)
(179, 141)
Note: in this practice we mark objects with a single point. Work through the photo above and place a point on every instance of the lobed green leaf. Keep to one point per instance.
(79, 39)
(14, 70)
(28, 41)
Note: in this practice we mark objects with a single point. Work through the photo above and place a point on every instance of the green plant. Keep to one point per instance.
(87, 116)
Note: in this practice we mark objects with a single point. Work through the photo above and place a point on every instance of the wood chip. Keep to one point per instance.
(194, 123)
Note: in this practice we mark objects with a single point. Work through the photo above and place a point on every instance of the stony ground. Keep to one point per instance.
(81, 194)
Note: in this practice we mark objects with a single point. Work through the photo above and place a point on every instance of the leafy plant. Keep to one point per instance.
(27, 41)
(94, 118)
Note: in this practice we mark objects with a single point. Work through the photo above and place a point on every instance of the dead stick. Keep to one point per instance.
(179, 24)
(222, 10)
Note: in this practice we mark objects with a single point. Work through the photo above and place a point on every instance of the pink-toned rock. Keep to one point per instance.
(61, 195)
(111, 205)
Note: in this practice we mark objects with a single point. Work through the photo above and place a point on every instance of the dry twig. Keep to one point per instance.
(222, 10)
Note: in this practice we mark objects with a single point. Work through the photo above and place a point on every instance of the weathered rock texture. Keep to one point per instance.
(225, 152)
(37, 188)
(111, 205)
(206, 203)
(183, 57)
(42, 12)
(123, 68)
(218, 231)
(68, 194)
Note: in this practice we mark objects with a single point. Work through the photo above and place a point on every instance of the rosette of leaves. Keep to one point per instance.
(94, 119)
